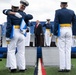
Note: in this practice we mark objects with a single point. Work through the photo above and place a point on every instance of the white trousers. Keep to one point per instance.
(47, 38)
(74, 42)
(27, 39)
(64, 44)
(16, 59)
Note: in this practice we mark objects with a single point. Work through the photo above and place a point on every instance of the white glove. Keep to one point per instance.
(74, 37)
(18, 15)
(55, 36)
(8, 39)
(23, 32)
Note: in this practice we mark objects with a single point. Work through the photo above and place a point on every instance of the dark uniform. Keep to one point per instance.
(25, 16)
(38, 32)
(64, 23)
(62, 17)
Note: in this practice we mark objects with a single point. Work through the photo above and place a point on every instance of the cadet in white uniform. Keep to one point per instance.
(18, 40)
(28, 34)
(23, 4)
(63, 24)
(48, 33)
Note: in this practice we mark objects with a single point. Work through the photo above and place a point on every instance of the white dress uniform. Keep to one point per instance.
(48, 37)
(74, 41)
(27, 38)
(14, 59)
(48, 33)
(63, 30)
(17, 59)
(64, 45)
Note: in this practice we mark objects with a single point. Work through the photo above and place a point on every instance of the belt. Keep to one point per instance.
(65, 25)
(16, 26)
(48, 29)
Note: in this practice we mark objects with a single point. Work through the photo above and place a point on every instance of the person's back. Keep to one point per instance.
(63, 24)
(18, 40)
(12, 21)
(65, 15)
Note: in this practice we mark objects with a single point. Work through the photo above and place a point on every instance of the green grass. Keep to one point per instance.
(30, 71)
(5, 71)
(54, 70)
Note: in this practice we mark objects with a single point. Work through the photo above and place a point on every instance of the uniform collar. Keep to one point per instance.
(63, 8)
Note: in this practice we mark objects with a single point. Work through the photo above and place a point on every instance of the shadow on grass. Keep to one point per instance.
(54, 71)
(27, 72)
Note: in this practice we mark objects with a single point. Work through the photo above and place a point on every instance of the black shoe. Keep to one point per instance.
(13, 70)
(67, 70)
(9, 68)
(0, 59)
(25, 69)
(22, 70)
(62, 70)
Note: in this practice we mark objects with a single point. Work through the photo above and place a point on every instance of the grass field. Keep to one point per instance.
(30, 71)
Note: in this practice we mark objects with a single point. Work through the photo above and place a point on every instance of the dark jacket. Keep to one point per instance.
(13, 20)
(38, 30)
(64, 16)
